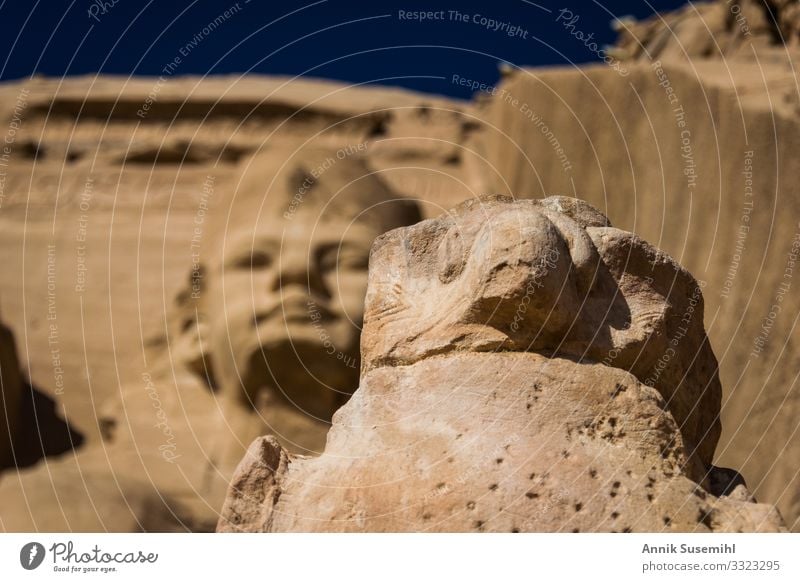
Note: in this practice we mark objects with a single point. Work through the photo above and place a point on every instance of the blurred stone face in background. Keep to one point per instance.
(264, 339)
(286, 282)
(222, 282)
(293, 295)
(484, 405)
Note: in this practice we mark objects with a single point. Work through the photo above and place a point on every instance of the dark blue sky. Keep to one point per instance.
(352, 41)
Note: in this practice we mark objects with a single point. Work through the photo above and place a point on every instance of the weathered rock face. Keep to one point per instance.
(528, 277)
(717, 29)
(112, 208)
(514, 378)
(703, 171)
(85, 168)
(279, 302)
(264, 340)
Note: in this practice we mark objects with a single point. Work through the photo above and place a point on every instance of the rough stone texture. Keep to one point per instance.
(738, 29)
(462, 423)
(525, 277)
(111, 200)
(722, 204)
(263, 340)
(85, 165)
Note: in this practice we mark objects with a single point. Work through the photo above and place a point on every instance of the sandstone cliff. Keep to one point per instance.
(698, 158)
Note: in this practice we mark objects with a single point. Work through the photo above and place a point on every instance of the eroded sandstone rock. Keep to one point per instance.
(717, 29)
(525, 367)
(263, 340)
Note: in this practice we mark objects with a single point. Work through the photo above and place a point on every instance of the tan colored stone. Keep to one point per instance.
(719, 203)
(479, 410)
(90, 180)
(527, 277)
(263, 340)
(720, 29)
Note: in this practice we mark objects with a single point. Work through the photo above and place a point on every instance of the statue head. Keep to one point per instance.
(284, 275)
(549, 276)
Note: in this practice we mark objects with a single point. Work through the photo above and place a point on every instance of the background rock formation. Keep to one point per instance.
(460, 424)
(104, 203)
(111, 204)
(739, 29)
(696, 158)
(104, 220)
(263, 340)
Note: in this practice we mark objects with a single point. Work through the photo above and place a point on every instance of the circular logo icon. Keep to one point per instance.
(31, 555)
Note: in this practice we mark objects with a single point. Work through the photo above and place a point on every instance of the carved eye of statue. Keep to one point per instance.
(260, 260)
(326, 257)
(253, 260)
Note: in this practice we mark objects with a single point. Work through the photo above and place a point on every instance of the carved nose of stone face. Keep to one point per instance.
(296, 269)
(523, 282)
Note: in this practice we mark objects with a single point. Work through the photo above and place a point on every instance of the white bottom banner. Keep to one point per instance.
(380, 557)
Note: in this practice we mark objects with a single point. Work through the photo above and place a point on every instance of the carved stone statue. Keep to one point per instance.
(526, 367)
(263, 340)
(285, 285)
